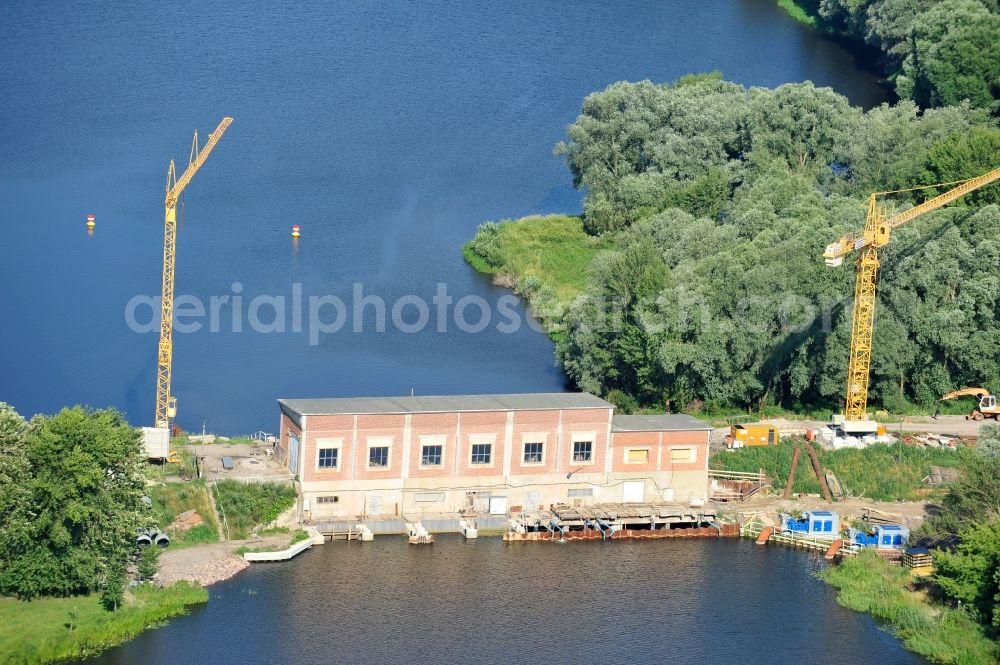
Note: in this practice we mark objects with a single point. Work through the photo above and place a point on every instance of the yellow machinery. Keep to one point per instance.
(166, 404)
(753, 434)
(878, 228)
(987, 402)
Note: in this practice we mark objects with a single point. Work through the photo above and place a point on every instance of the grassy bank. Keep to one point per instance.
(543, 258)
(878, 472)
(51, 629)
(248, 505)
(868, 584)
(172, 499)
(803, 11)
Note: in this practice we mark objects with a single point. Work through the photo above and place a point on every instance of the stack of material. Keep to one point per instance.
(837, 439)
(932, 441)
(847, 442)
(185, 521)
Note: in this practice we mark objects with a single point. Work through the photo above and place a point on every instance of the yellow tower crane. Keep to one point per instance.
(166, 404)
(878, 228)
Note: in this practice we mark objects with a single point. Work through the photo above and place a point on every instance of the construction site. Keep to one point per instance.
(557, 467)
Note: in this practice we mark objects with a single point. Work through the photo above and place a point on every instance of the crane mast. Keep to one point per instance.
(876, 234)
(166, 404)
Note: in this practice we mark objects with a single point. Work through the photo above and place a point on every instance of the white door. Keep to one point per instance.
(374, 505)
(498, 505)
(634, 491)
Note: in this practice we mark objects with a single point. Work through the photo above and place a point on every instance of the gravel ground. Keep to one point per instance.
(208, 564)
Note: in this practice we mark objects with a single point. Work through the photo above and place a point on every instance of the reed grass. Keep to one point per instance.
(944, 635)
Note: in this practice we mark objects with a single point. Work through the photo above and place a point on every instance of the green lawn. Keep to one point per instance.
(172, 499)
(45, 630)
(868, 584)
(553, 248)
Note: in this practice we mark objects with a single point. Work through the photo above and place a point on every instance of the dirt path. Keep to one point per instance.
(947, 425)
(211, 563)
(909, 513)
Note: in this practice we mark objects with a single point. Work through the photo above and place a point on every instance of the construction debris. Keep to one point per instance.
(185, 521)
(941, 475)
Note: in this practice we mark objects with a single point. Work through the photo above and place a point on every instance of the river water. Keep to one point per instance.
(387, 131)
(715, 602)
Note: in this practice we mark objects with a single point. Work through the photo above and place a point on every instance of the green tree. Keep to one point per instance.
(14, 469)
(149, 562)
(938, 52)
(988, 442)
(971, 574)
(955, 55)
(797, 122)
(73, 531)
(971, 500)
(963, 155)
(889, 146)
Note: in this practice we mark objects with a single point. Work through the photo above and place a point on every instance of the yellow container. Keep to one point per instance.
(755, 434)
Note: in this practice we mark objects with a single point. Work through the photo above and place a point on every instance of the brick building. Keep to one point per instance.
(392, 455)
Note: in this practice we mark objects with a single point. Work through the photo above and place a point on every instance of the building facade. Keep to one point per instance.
(410, 455)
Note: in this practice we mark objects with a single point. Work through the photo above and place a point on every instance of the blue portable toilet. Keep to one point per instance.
(814, 523)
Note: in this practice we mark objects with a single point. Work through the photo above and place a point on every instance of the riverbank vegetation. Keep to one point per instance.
(71, 488)
(953, 616)
(172, 499)
(878, 472)
(713, 203)
(945, 635)
(934, 52)
(539, 257)
(46, 630)
(245, 506)
(71, 500)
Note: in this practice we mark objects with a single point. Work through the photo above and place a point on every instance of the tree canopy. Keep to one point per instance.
(937, 52)
(71, 489)
(720, 200)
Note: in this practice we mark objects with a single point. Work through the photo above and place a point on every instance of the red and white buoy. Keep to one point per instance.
(91, 223)
(295, 231)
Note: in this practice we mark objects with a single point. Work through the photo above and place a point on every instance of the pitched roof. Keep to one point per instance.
(671, 422)
(441, 404)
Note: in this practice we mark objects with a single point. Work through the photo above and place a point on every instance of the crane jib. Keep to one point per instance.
(166, 404)
(877, 232)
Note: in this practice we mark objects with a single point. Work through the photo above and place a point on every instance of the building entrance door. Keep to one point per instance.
(293, 454)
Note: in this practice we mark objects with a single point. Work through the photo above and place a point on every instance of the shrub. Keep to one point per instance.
(486, 244)
(245, 506)
(149, 562)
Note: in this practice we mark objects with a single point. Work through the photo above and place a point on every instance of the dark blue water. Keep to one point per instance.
(387, 131)
(714, 602)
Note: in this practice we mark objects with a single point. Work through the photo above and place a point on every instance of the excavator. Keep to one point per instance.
(987, 403)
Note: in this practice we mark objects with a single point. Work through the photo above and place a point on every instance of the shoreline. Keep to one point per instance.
(52, 629)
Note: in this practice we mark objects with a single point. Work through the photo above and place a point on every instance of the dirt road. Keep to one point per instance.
(909, 513)
(945, 425)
